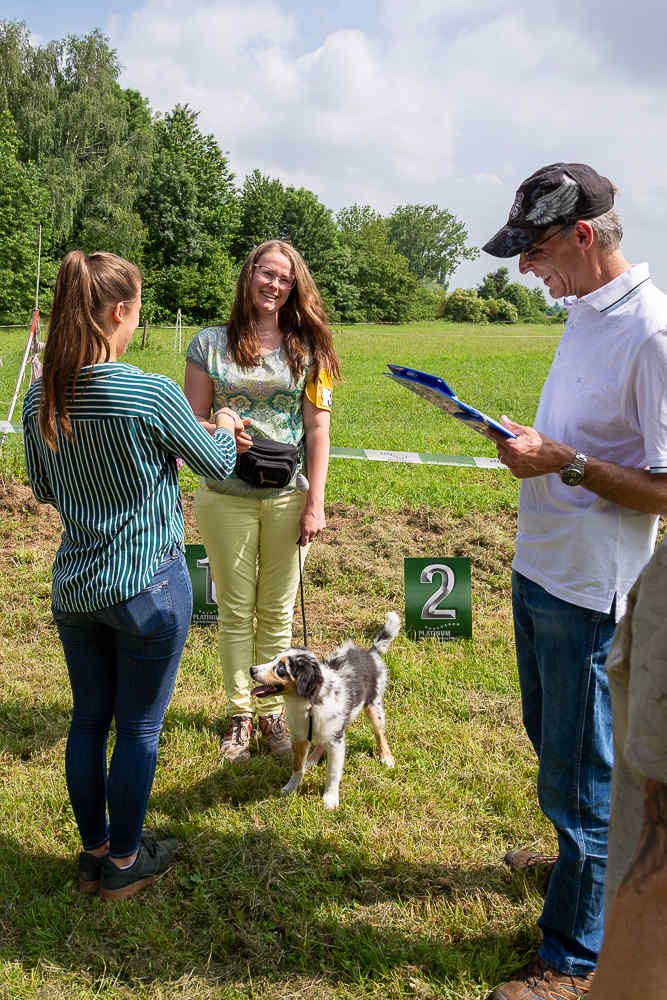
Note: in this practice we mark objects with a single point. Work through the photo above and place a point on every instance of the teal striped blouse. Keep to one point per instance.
(115, 484)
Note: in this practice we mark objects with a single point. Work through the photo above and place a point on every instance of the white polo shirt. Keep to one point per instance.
(605, 395)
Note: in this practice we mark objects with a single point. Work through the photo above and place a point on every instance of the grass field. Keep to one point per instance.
(402, 891)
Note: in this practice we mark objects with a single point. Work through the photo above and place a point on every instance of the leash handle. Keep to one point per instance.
(303, 605)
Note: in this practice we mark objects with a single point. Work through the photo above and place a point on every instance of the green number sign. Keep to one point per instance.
(438, 598)
(204, 603)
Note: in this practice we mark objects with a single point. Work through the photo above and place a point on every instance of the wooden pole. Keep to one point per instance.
(144, 339)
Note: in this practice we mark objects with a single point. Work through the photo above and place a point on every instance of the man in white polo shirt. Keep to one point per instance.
(594, 480)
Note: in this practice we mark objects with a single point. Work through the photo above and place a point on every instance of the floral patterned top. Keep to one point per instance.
(267, 394)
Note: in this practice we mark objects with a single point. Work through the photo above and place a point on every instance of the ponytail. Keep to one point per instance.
(85, 288)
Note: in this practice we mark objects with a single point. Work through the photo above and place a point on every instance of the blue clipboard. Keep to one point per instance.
(436, 391)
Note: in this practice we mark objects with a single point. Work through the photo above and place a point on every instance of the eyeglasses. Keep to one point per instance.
(271, 276)
(536, 246)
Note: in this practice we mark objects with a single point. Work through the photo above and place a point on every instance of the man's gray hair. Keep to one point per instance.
(607, 229)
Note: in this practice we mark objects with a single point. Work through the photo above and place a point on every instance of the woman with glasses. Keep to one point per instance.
(272, 365)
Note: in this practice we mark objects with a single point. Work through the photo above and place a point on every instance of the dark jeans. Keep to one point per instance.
(561, 654)
(122, 664)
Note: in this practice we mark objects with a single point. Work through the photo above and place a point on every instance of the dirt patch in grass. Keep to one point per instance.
(353, 574)
(25, 524)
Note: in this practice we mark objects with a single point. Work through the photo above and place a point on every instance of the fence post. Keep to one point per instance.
(144, 339)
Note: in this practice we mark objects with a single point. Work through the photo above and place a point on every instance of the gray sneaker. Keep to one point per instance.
(277, 735)
(236, 741)
(153, 859)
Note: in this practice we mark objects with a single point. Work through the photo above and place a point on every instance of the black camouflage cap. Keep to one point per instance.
(555, 195)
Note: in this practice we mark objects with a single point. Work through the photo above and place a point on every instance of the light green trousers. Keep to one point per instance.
(253, 554)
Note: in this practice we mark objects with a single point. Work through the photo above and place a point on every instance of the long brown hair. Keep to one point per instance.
(87, 284)
(302, 319)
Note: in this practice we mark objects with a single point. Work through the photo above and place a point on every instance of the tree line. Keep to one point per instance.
(91, 163)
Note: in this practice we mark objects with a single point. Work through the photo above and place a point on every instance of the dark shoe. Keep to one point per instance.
(153, 859)
(524, 861)
(236, 741)
(275, 732)
(521, 860)
(90, 868)
(539, 981)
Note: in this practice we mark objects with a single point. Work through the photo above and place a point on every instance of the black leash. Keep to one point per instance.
(303, 605)
(305, 636)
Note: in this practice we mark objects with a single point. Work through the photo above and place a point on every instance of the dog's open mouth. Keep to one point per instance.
(264, 690)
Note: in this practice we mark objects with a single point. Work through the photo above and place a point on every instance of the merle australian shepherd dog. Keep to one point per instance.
(322, 697)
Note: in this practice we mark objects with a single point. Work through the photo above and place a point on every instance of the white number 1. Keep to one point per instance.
(211, 597)
(431, 609)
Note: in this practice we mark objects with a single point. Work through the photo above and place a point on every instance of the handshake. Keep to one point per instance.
(230, 420)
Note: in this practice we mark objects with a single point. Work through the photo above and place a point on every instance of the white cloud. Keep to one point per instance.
(435, 102)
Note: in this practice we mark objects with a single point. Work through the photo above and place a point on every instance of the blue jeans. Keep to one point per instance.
(122, 664)
(561, 652)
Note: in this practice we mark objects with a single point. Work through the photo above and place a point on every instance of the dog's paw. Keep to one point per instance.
(388, 760)
(291, 786)
(330, 800)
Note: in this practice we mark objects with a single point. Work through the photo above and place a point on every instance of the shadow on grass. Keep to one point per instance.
(27, 728)
(200, 721)
(251, 904)
(254, 780)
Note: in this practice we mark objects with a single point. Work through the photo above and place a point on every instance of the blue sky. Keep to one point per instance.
(390, 102)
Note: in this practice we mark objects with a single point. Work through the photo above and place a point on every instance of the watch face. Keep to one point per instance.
(573, 474)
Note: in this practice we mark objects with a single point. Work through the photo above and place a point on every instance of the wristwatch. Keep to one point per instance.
(573, 474)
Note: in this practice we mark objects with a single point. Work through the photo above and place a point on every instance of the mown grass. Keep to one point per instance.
(401, 892)
(498, 371)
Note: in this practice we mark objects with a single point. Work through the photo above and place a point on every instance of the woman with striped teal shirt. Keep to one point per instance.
(101, 442)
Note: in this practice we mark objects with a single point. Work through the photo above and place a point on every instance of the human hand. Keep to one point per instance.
(243, 440)
(312, 523)
(530, 453)
(228, 419)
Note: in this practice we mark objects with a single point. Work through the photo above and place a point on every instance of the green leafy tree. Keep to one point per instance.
(494, 284)
(137, 110)
(464, 305)
(530, 303)
(191, 214)
(72, 122)
(261, 209)
(538, 301)
(501, 311)
(190, 201)
(519, 296)
(204, 291)
(23, 206)
(431, 239)
(387, 289)
(310, 226)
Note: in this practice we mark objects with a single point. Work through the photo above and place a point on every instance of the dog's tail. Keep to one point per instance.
(392, 624)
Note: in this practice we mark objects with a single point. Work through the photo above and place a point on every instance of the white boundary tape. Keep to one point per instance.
(371, 454)
(417, 458)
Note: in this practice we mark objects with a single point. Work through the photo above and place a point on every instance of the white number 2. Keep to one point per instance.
(431, 609)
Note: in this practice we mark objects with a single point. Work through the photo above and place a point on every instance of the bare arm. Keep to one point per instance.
(316, 424)
(633, 960)
(199, 393)
(534, 454)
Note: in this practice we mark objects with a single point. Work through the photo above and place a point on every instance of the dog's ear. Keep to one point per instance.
(307, 674)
